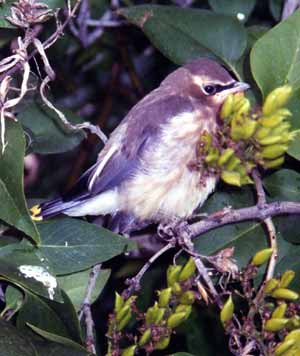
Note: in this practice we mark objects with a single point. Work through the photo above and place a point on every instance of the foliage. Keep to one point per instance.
(91, 63)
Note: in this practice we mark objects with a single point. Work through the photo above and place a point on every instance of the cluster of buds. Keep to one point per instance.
(173, 307)
(25, 13)
(248, 138)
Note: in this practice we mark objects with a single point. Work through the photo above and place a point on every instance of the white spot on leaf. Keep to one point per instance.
(240, 16)
(40, 274)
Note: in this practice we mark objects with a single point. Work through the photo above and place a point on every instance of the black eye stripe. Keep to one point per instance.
(212, 89)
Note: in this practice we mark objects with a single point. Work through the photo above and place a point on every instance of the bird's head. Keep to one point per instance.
(210, 82)
(206, 81)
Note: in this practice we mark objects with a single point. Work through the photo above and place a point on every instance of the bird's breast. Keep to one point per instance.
(164, 186)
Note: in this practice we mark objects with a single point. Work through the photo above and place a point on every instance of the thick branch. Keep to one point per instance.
(256, 212)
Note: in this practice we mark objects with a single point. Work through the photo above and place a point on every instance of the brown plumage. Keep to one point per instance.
(144, 171)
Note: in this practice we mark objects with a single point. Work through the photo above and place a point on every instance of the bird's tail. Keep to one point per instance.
(51, 208)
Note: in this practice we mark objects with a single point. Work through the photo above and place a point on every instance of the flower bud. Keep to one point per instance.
(123, 311)
(232, 178)
(294, 335)
(227, 107)
(273, 151)
(187, 309)
(154, 314)
(176, 288)
(294, 322)
(277, 99)
(129, 351)
(275, 324)
(187, 298)
(275, 119)
(124, 321)
(271, 285)
(145, 337)
(176, 319)
(233, 162)
(225, 156)
(119, 302)
(280, 129)
(163, 343)
(173, 274)
(273, 163)
(212, 156)
(262, 132)
(227, 311)
(270, 140)
(187, 271)
(286, 278)
(283, 347)
(261, 257)
(279, 311)
(242, 109)
(164, 297)
(284, 293)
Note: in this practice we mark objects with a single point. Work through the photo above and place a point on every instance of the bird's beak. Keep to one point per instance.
(238, 87)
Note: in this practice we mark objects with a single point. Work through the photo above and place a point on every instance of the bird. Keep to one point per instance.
(146, 171)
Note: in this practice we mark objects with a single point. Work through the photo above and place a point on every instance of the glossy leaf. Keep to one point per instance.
(13, 209)
(241, 9)
(13, 299)
(283, 185)
(73, 245)
(57, 318)
(46, 132)
(13, 342)
(75, 286)
(15, 259)
(186, 34)
(47, 348)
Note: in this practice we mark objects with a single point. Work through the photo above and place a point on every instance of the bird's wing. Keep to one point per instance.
(121, 155)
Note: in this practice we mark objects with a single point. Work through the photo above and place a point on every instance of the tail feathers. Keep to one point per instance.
(51, 208)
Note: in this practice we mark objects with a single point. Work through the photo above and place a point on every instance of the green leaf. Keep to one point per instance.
(13, 342)
(15, 262)
(56, 338)
(75, 286)
(5, 10)
(13, 209)
(13, 300)
(283, 185)
(47, 348)
(73, 245)
(241, 9)
(246, 237)
(46, 132)
(186, 34)
(275, 58)
(56, 318)
(276, 8)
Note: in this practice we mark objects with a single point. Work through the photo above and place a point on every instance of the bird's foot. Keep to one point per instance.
(177, 231)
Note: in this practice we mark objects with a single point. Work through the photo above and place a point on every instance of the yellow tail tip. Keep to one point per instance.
(35, 212)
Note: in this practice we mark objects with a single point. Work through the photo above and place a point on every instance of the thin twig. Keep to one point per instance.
(134, 283)
(289, 7)
(85, 309)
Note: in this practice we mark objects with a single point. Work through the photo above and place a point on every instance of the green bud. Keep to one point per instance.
(119, 302)
(294, 322)
(164, 297)
(124, 321)
(275, 119)
(225, 156)
(184, 308)
(206, 140)
(176, 319)
(262, 132)
(187, 271)
(243, 109)
(227, 311)
(277, 99)
(282, 128)
(154, 314)
(294, 335)
(129, 351)
(123, 311)
(232, 178)
(173, 274)
(270, 140)
(227, 107)
(163, 343)
(275, 324)
(212, 156)
(283, 347)
(176, 289)
(271, 285)
(130, 300)
(286, 278)
(145, 337)
(261, 257)
(279, 311)
(273, 163)
(284, 293)
(187, 298)
(273, 151)
(233, 162)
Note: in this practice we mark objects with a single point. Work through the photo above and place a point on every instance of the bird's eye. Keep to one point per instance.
(210, 89)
